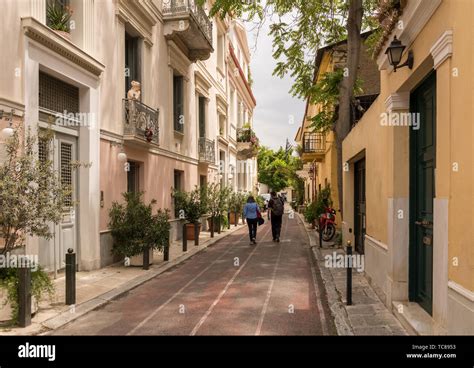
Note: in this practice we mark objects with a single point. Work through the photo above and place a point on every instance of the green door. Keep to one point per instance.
(422, 192)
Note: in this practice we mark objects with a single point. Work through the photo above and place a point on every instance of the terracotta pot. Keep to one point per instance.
(216, 224)
(233, 216)
(190, 231)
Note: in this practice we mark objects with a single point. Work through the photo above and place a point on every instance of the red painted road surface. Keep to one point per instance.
(230, 288)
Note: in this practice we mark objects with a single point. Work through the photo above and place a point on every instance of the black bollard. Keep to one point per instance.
(236, 219)
(219, 224)
(70, 277)
(24, 296)
(349, 273)
(166, 251)
(320, 233)
(212, 226)
(185, 239)
(146, 259)
(196, 233)
(228, 219)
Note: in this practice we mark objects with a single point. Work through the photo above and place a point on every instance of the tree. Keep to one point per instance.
(31, 193)
(299, 28)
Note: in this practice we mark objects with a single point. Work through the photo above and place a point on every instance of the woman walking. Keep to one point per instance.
(251, 211)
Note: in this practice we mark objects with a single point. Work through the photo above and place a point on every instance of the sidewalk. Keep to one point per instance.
(98, 287)
(367, 315)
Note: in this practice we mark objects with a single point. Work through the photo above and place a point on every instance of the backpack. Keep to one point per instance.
(277, 208)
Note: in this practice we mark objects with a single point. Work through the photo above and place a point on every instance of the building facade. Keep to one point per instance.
(149, 82)
(412, 156)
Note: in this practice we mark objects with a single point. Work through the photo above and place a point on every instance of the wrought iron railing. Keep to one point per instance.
(207, 150)
(314, 142)
(177, 7)
(140, 120)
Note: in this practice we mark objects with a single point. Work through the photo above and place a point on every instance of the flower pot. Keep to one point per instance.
(234, 217)
(64, 34)
(138, 259)
(6, 310)
(216, 224)
(190, 231)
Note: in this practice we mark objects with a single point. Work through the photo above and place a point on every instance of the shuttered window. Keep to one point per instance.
(66, 169)
(56, 95)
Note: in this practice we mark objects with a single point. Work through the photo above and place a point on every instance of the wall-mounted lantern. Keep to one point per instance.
(394, 53)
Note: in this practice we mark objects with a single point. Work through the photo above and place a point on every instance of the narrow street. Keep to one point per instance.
(231, 288)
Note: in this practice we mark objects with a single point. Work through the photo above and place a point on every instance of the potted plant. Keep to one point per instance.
(58, 18)
(191, 206)
(236, 206)
(247, 142)
(136, 230)
(31, 199)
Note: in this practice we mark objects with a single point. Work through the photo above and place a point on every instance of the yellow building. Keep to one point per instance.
(411, 161)
(318, 150)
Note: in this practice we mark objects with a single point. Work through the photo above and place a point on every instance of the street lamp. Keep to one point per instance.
(394, 53)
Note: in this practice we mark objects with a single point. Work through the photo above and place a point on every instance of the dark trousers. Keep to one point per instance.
(252, 224)
(276, 226)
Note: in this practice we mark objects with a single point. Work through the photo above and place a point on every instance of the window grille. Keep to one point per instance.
(56, 95)
(66, 169)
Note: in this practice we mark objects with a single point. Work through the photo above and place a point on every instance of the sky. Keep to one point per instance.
(277, 115)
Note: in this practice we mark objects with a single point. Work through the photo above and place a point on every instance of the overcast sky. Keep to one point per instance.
(277, 115)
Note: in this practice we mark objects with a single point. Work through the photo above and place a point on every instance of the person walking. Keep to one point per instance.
(251, 211)
(277, 208)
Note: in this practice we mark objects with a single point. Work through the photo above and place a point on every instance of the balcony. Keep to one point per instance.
(207, 151)
(314, 147)
(188, 25)
(247, 144)
(140, 123)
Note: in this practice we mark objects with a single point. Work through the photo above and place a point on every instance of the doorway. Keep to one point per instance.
(422, 192)
(359, 205)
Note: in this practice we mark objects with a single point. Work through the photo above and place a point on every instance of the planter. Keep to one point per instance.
(233, 217)
(216, 224)
(190, 231)
(64, 34)
(138, 259)
(6, 310)
(246, 150)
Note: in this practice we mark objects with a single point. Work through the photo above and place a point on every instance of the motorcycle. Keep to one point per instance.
(327, 223)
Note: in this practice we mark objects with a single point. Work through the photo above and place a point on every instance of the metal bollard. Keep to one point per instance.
(228, 219)
(70, 277)
(185, 239)
(212, 226)
(349, 273)
(219, 224)
(166, 251)
(24, 296)
(146, 259)
(320, 233)
(196, 233)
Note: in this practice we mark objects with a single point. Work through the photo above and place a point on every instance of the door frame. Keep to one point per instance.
(356, 221)
(413, 271)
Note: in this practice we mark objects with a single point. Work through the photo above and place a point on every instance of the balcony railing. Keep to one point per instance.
(184, 7)
(207, 150)
(140, 121)
(314, 143)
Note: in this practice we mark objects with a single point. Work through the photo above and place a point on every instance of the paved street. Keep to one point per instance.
(231, 288)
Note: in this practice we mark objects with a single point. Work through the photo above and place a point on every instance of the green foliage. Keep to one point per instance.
(310, 212)
(237, 201)
(135, 228)
(217, 199)
(325, 94)
(260, 201)
(58, 16)
(41, 286)
(31, 194)
(194, 204)
(318, 207)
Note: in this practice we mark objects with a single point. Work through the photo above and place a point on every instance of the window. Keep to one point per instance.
(132, 61)
(202, 117)
(202, 180)
(133, 174)
(66, 169)
(220, 51)
(178, 103)
(56, 95)
(178, 185)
